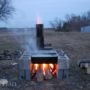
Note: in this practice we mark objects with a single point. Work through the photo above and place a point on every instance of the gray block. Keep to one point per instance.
(63, 73)
(28, 74)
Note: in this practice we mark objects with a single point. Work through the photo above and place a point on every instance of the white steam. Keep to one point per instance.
(26, 38)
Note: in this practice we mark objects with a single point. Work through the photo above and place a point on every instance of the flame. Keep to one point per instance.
(54, 72)
(51, 65)
(51, 68)
(36, 66)
(39, 20)
(44, 66)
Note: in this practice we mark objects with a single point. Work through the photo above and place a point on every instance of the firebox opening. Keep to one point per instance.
(43, 71)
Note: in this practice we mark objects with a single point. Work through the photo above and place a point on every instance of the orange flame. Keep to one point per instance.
(51, 65)
(52, 68)
(36, 66)
(44, 66)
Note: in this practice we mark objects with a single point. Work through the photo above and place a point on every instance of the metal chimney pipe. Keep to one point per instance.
(39, 36)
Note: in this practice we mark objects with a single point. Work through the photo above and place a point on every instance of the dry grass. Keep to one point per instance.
(75, 44)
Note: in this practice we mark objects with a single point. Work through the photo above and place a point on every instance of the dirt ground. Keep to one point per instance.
(75, 44)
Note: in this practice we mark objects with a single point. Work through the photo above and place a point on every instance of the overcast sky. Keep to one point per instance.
(26, 11)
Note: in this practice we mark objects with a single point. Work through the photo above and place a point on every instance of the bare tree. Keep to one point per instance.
(5, 9)
(72, 23)
(75, 22)
(57, 24)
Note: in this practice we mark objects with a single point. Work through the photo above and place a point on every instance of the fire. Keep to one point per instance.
(51, 65)
(45, 66)
(39, 20)
(48, 70)
(36, 66)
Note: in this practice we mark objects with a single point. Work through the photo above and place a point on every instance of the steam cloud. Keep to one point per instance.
(26, 38)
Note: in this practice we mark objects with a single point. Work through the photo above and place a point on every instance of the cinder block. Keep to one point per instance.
(63, 73)
(60, 74)
(28, 74)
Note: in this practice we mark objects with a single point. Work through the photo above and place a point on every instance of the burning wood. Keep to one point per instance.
(43, 71)
(39, 75)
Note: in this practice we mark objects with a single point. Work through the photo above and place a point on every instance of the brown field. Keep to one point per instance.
(75, 44)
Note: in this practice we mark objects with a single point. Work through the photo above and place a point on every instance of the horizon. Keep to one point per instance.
(26, 12)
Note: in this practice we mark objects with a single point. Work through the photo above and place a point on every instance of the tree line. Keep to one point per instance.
(71, 23)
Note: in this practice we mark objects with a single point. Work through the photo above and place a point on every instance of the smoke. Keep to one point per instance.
(26, 38)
